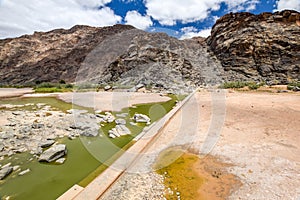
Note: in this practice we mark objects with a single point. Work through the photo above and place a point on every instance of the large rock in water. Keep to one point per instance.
(264, 47)
(141, 118)
(4, 172)
(53, 153)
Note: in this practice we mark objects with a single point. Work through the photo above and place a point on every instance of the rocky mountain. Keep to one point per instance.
(264, 47)
(50, 56)
(242, 46)
(154, 59)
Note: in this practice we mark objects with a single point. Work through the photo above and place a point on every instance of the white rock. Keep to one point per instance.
(60, 161)
(24, 172)
(141, 118)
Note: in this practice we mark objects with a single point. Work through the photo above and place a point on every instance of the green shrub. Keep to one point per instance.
(292, 85)
(62, 82)
(48, 90)
(240, 84)
(68, 85)
(236, 84)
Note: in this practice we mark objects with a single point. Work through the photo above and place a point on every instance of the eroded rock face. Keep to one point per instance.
(263, 47)
(242, 46)
(51, 56)
(118, 54)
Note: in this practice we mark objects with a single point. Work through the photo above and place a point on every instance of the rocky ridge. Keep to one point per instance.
(50, 56)
(242, 46)
(264, 47)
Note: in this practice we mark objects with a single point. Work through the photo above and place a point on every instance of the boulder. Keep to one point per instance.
(113, 133)
(141, 118)
(46, 143)
(76, 111)
(139, 86)
(120, 121)
(109, 117)
(122, 130)
(60, 161)
(118, 131)
(53, 153)
(37, 125)
(5, 171)
(108, 87)
(24, 172)
(86, 125)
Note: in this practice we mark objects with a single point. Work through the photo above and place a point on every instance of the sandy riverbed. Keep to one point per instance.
(113, 101)
(14, 92)
(258, 142)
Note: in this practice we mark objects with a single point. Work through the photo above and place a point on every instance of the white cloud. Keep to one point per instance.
(137, 20)
(240, 5)
(190, 32)
(288, 4)
(167, 12)
(189, 29)
(19, 17)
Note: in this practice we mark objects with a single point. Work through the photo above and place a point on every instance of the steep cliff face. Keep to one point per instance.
(155, 59)
(119, 54)
(51, 56)
(263, 47)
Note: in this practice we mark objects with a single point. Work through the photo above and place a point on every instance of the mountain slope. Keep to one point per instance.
(263, 47)
(51, 56)
(242, 46)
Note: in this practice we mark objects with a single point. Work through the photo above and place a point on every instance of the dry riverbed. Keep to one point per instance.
(256, 155)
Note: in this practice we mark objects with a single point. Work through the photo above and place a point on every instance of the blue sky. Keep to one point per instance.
(179, 18)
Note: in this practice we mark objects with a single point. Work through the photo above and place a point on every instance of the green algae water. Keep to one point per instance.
(48, 181)
(86, 157)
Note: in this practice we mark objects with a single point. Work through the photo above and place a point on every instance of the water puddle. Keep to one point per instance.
(187, 176)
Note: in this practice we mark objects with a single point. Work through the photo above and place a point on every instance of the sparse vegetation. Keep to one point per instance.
(241, 84)
(52, 87)
(293, 85)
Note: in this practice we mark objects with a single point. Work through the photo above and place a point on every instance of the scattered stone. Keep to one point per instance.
(76, 111)
(296, 89)
(98, 111)
(47, 143)
(5, 171)
(71, 137)
(17, 113)
(133, 123)
(111, 134)
(1, 147)
(118, 131)
(123, 115)
(15, 168)
(53, 153)
(37, 125)
(122, 130)
(139, 86)
(6, 165)
(141, 118)
(109, 117)
(108, 87)
(120, 121)
(51, 137)
(60, 161)
(24, 172)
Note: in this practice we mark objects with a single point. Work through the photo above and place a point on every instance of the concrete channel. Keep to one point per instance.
(106, 179)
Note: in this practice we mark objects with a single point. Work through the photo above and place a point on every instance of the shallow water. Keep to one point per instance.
(85, 157)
